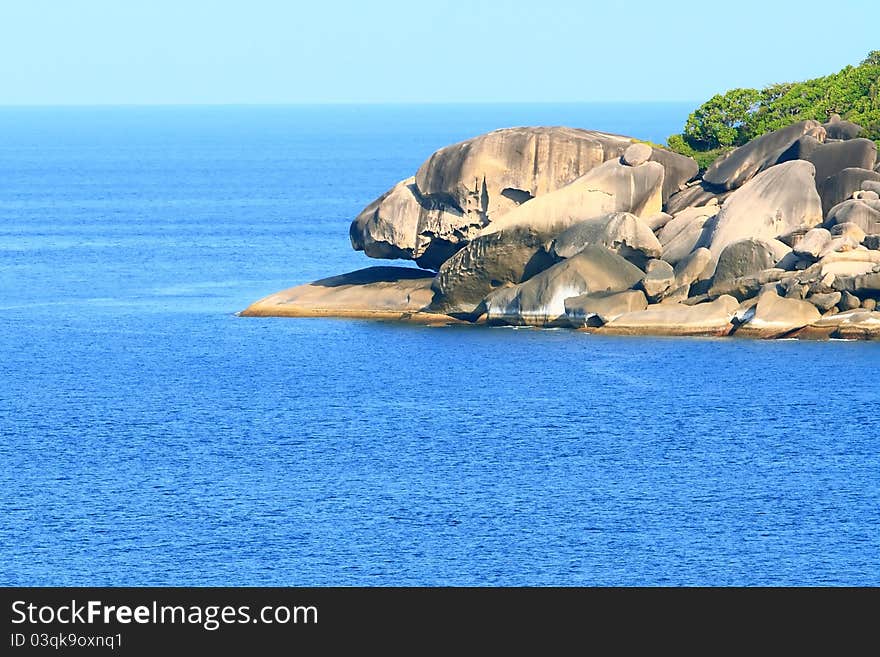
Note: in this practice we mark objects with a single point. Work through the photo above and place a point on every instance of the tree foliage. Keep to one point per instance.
(733, 118)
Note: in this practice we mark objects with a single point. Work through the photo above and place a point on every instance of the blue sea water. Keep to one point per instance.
(148, 435)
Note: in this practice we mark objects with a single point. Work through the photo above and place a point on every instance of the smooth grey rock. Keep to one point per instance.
(749, 160)
(602, 307)
(540, 301)
(871, 185)
(776, 316)
(403, 224)
(489, 175)
(621, 232)
(801, 149)
(869, 304)
(374, 292)
(636, 154)
(485, 264)
(610, 187)
(863, 213)
(688, 230)
(693, 267)
(837, 128)
(867, 284)
(679, 169)
(659, 277)
(694, 195)
(773, 203)
(703, 319)
(677, 294)
(813, 243)
(825, 302)
(841, 186)
(746, 258)
(656, 221)
(832, 158)
(748, 286)
(867, 195)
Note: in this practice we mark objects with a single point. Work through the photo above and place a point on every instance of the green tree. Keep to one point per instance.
(722, 120)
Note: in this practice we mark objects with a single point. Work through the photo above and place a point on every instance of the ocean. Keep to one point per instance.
(149, 436)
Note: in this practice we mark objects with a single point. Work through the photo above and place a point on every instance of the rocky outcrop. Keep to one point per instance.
(745, 162)
(621, 232)
(712, 319)
(773, 203)
(559, 227)
(375, 293)
(610, 187)
(488, 262)
(540, 301)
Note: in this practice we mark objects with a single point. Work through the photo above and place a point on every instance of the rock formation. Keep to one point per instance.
(552, 227)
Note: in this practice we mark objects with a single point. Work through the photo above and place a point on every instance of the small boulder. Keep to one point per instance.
(679, 169)
(746, 258)
(776, 316)
(848, 301)
(602, 307)
(824, 302)
(837, 128)
(659, 277)
(850, 230)
(637, 154)
(813, 243)
(695, 195)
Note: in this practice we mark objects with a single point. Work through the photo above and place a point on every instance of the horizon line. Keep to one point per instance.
(346, 103)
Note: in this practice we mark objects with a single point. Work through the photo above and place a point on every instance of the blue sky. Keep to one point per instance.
(269, 51)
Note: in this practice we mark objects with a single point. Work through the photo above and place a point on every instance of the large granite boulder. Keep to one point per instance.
(801, 149)
(703, 319)
(863, 213)
(773, 203)
(610, 187)
(837, 128)
(621, 232)
(743, 163)
(540, 301)
(688, 230)
(774, 316)
(747, 257)
(695, 267)
(403, 224)
(834, 157)
(813, 244)
(695, 194)
(602, 307)
(375, 292)
(486, 263)
(487, 176)
(841, 186)
(679, 169)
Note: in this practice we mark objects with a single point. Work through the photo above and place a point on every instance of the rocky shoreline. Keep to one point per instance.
(562, 227)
